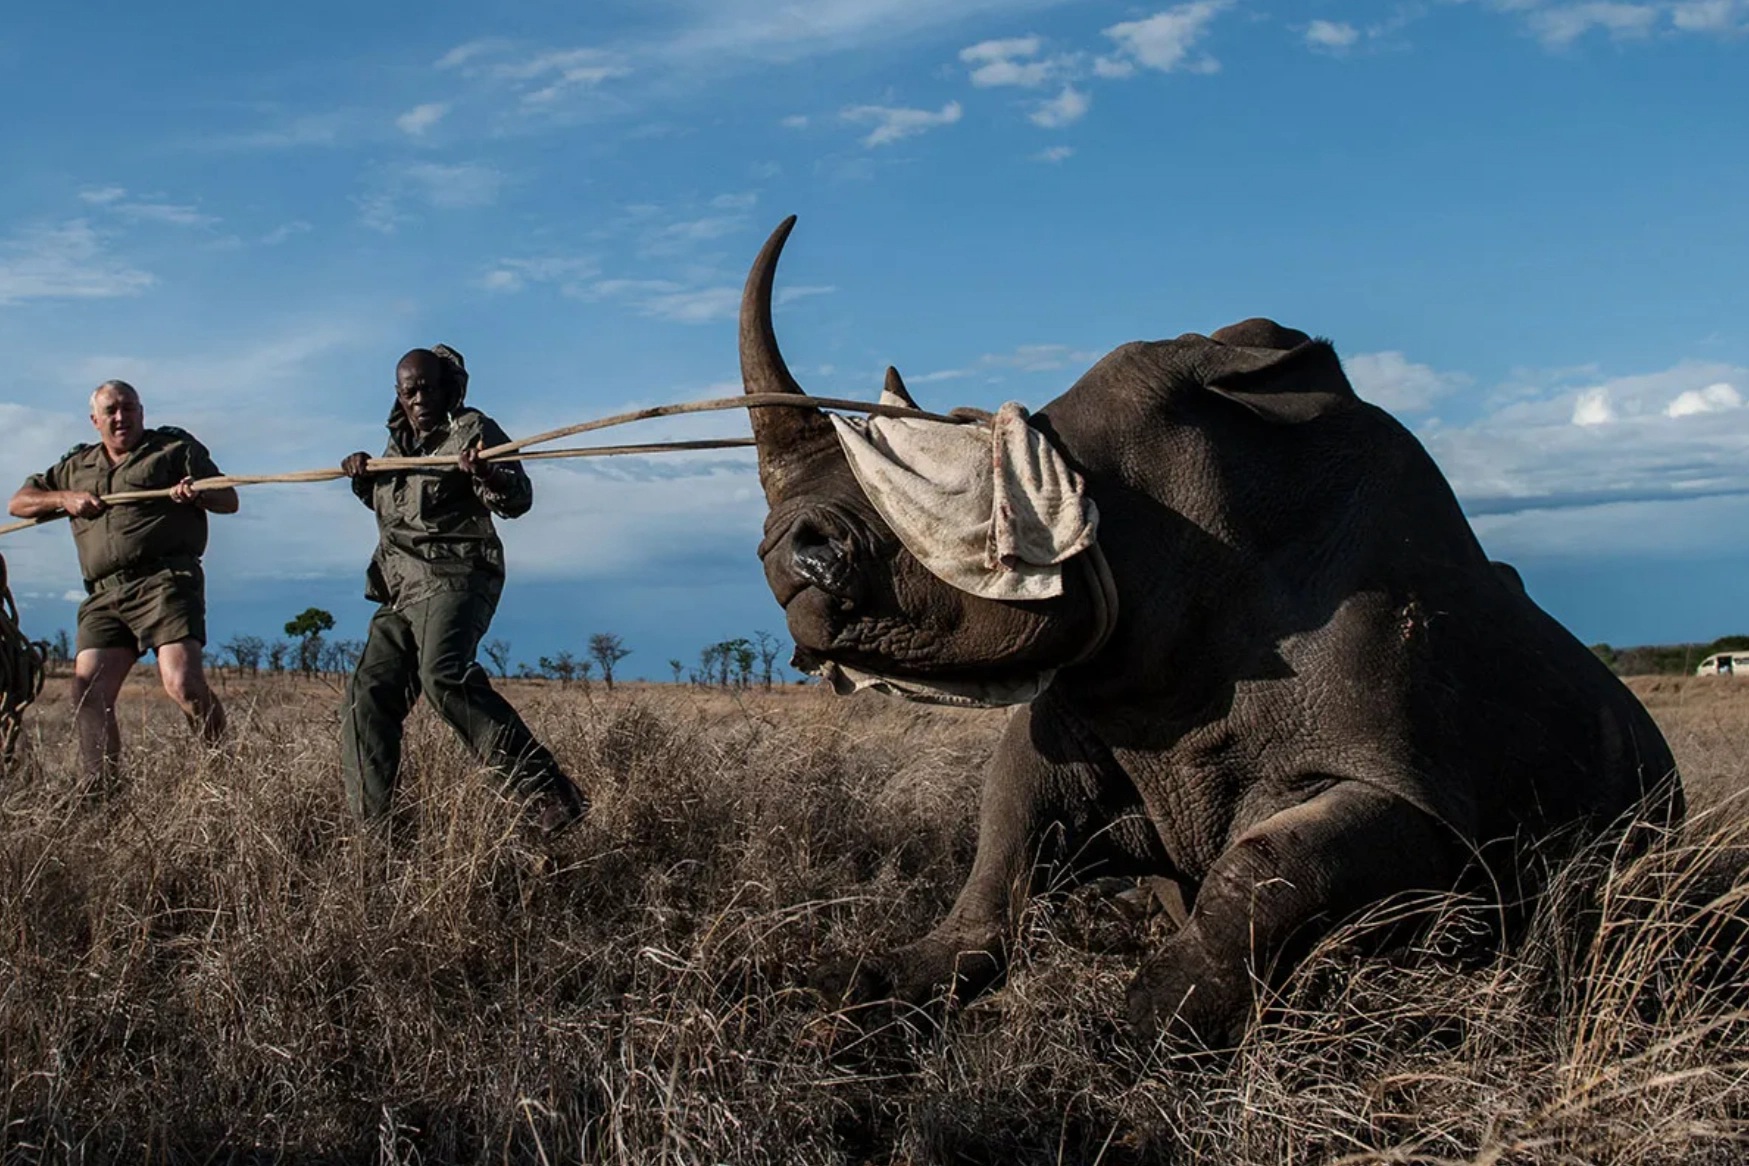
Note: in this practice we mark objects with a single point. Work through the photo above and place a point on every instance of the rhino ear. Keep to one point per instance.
(894, 391)
(1285, 387)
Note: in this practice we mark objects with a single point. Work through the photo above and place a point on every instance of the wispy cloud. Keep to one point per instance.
(285, 231)
(1331, 36)
(114, 200)
(1054, 154)
(1066, 108)
(1164, 41)
(723, 33)
(894, 124)
(438, 185)
(304, 131)
(65, 261)
(542, 81)
(1560, 24)
(1012, 61)
(569, 273)
(1392, 381)
(421, 118)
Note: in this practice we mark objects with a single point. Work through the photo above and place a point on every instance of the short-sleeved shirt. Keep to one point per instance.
(434, 527)
(134, 535)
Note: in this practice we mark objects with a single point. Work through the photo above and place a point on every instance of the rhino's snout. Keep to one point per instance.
(822, 557)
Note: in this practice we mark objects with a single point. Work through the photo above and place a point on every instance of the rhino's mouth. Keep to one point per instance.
(994, 692)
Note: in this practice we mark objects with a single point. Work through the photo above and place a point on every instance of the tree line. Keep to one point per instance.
(306, 647)
(1665, 659)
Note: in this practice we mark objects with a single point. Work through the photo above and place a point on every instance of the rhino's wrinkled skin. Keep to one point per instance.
(1319, 692)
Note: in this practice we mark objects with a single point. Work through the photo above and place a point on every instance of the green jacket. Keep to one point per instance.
(435, 526)
(134, 535)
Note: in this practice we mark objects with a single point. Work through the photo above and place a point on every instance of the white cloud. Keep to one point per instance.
(301, 132)
(1562, 25)
(1391, 381)
(1164, 41)
(1625, 440)
(421, 118)
(114, 200)
(1711, 15)
(285, 231)
(454, 186)
(1330, 35)
(723, 33)
(1054, 154)
(1593, 407)
(1715, 398)
(1008, 62)
(1067, 107)
(509, 275)
(1038, 358)
(66, 261)
(543, 80)
(796, 121)
(1559, 24)
(895, 124)
(439, 185)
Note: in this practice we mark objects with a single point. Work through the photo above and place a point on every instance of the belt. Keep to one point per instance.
(124, 575)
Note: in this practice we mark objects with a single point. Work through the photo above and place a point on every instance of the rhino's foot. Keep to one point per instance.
(926, 975)
(1193, 1005)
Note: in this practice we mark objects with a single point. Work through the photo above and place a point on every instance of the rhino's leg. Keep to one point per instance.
(1273, 894)
(1051, 817)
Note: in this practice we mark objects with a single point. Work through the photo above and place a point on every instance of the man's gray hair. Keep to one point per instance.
(118, 386)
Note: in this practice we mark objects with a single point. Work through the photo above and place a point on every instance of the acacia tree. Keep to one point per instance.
(606, 649)
(742, 649)
(498, 651)
(308, 626)
(562, 667)
(767, 645)
(677, 668)
(276, 655)
(246, 651)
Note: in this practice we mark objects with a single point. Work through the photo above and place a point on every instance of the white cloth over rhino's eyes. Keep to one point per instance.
(992, 509)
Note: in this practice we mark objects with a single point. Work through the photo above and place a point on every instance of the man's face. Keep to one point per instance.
(119, 419)
(419, 385)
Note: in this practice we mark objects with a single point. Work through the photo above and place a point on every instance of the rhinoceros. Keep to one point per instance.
(1296, 687)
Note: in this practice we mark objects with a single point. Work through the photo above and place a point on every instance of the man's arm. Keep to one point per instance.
(37, 499)
(198, 463)
(214, 501)
(503, 486)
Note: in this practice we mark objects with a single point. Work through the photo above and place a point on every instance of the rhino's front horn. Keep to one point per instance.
(789, 438)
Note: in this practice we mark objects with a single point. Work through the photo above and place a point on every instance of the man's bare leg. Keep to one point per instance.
(98, 674)
(179, 667)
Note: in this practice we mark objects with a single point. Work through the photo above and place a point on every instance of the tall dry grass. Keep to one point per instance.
(213, 964)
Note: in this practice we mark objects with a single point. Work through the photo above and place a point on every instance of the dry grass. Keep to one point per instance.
(213, 964)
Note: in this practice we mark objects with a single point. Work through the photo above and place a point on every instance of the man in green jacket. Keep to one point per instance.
(438, 572)
(141, 562)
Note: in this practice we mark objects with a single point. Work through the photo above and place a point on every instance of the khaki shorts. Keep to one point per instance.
(145, 612)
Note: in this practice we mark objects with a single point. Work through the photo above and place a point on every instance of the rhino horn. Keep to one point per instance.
(895, 389)
(789, 438)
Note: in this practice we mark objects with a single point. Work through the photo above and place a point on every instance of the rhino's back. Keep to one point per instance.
(1320, 588)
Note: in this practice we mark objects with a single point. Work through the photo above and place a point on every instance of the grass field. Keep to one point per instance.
(211, 963)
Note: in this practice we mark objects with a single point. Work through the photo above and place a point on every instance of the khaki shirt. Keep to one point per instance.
(434, 527)
(134, 535)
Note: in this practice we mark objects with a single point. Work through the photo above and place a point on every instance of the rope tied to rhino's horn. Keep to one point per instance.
(514, 450)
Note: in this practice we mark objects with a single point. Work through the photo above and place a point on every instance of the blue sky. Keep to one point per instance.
(1520, 221)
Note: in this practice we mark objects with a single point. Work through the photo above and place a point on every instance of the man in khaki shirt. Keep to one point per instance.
(141, 562)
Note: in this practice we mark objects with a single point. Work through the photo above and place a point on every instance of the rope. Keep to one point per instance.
(21, 670)
(512, 450)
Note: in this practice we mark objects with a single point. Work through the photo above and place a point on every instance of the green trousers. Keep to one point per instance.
(428, 647)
